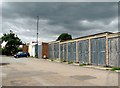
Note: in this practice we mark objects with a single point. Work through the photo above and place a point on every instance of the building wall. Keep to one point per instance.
(25, 48)
(30, 50)
(45, 50)
(98, 49)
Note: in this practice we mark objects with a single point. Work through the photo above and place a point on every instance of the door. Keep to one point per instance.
(114, 52)
(83, 51)
(98, 51)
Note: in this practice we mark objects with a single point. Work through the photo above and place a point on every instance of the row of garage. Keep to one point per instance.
(98, 49)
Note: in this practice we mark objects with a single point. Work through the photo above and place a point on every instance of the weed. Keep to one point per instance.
(83, 64)
(70, 62)
(115, 68)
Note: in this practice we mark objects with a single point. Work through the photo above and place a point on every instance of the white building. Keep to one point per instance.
(32, 49)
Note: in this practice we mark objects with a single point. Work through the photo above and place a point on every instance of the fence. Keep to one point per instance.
(98, 49)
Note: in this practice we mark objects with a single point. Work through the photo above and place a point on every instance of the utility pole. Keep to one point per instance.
(37, 33)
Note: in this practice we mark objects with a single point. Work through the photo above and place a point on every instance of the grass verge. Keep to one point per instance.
(115, 68)
(83, 64)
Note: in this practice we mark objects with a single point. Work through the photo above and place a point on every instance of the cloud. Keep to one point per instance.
(76, 18)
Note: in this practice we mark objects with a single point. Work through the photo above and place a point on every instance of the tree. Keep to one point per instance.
(64, 37)
(13, 43)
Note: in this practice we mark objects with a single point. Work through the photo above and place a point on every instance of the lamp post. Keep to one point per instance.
(37, 33)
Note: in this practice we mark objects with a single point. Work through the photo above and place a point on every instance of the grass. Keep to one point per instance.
(83, 64)
(70, 62)
(115, 68)
(52, 60)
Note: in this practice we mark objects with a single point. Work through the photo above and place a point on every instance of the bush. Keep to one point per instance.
(19, 49)
(5, 51)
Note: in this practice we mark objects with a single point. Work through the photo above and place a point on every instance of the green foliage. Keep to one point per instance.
(115, 68)
(70, 62)
(64, 37)
(12, 45)
(83, 64)
(19, 49)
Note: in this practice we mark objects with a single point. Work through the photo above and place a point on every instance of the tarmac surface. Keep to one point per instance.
(40, 72)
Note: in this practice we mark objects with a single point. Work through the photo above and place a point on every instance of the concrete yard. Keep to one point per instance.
(39, 72)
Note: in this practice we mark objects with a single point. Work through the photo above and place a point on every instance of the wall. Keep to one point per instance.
(98, 49)
(25, 48)
(45, 50)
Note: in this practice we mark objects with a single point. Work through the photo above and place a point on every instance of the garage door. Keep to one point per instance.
(114, 52)
(61, 51)
(83, 51)
(50, 52)
(65, 52)
(72, 52)
(98, 51)
(56, 50)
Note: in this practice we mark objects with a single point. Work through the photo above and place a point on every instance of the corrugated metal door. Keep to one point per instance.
(50, 51)
(98, 51)
(72, 52)
(56, 50)
(102, 51)
(83, 51)
(114, 52)
(94, 51)
(65, 52)
(61, 51)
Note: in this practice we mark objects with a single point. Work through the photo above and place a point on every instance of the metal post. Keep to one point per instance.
(37, 33)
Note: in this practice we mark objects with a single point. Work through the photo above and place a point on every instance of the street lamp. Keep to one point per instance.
(37, 33)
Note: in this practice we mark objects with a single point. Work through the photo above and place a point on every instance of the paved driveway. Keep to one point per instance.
(39, 72)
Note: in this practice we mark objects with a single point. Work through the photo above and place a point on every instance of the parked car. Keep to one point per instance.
(21, 54)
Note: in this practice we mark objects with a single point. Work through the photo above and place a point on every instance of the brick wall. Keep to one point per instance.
(25, 48)
(44, 49)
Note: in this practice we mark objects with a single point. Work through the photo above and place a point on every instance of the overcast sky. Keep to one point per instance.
(75, 18)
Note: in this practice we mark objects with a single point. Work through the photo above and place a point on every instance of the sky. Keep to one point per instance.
(76, 18)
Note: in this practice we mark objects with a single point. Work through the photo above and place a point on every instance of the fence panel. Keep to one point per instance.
(83, 51)
(98, 51)
(114, 52)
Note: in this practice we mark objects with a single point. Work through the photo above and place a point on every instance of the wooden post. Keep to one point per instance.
(107, 57)
(59, 51)
(53, 50)
(77, 60)
(63, 52)
(89, 51)
(66, 51)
